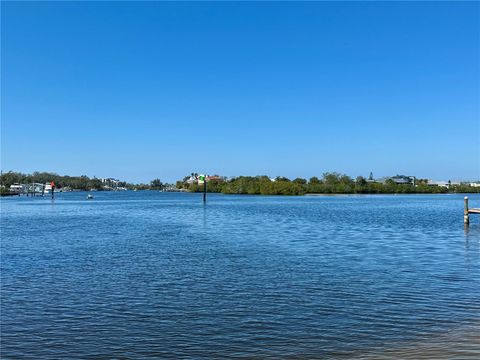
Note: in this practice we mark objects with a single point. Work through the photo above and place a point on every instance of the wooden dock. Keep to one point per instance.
(467, 211)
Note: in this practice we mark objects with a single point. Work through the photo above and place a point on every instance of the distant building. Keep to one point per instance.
(192, 180)
(28, 188)
(18, 188)
(403, 179)
(110, 182)
(438, 183)
(398, 179)
(215, 177)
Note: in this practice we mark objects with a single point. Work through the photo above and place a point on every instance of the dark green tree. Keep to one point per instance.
(156, 184)
(300, 181)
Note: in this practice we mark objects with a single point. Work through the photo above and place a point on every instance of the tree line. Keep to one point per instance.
(329, 183)
(82, 182)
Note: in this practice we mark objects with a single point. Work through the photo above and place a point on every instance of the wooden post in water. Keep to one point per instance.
(466, 219)
(205, 189)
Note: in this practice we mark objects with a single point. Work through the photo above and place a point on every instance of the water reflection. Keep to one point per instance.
(159, 275)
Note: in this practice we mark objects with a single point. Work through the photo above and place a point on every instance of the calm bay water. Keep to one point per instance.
(159, 275)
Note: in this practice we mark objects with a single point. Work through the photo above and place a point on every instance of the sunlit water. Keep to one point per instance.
(148, 274)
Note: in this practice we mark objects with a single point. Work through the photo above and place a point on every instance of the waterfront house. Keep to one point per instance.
(403, 179)
(399, 180)
(110, 182)
(192, 180)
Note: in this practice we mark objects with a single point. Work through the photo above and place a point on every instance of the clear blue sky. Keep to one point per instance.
(144, 90)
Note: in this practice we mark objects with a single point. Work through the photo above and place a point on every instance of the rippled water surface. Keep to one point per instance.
(147, 274)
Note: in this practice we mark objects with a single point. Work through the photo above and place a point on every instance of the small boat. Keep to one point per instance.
(89, 196)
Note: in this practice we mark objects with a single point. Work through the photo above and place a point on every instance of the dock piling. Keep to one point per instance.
(466, 218)
(205, 190)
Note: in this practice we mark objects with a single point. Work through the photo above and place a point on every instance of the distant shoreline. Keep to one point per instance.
(329, 184)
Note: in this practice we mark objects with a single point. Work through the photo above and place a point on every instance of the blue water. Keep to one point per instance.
(159, 275)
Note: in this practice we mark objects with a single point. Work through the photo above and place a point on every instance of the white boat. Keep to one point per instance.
(47, 189)
(89, 196)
